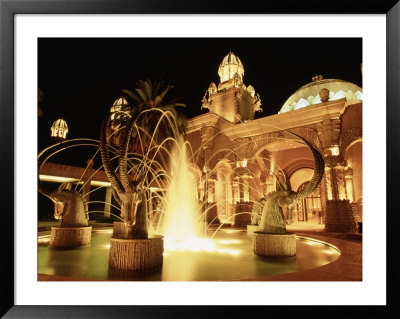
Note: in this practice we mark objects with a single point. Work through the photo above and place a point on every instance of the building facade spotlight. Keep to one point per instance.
(334, 150)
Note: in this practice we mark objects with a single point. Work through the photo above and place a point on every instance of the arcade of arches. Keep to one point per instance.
(238, 157)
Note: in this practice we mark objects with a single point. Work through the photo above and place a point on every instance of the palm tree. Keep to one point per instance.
(149, 121)
(153, 114)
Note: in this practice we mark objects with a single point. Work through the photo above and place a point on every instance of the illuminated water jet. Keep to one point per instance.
(182, 226)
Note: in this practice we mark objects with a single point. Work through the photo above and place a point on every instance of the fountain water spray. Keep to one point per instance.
(183, 226)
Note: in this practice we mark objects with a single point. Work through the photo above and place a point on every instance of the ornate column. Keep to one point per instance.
(356, 206)
(244, 205)
(207, 139)
(348, 175)
(211, 205)
(338, 212)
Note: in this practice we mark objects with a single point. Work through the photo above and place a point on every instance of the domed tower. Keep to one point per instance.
(119, 109)
(59, 130)
(229, 66)
(231, 99)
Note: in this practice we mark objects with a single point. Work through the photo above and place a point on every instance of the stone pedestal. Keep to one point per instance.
(339, 217)
(129, 253)
(70, 237)
(251, 229)
(280, 245)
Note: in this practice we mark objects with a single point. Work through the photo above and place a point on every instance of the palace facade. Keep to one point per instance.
(238, 157)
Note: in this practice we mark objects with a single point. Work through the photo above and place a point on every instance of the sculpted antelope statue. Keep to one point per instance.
(69, 206)
(272, 219)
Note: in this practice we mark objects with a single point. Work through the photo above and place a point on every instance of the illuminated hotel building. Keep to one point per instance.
(237, 156)
(236, 153)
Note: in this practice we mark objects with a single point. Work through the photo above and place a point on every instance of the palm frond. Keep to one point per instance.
(165, 91)
(156, 88)
(147, 89)
(142, 95)
(131, 95)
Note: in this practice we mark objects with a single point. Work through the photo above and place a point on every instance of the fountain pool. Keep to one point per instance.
(228, 256)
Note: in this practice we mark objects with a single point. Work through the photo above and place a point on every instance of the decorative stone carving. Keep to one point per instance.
(328, 180)
(280, 245)
(349, 137)
(70, 237)
(237, 80)
(256, 107)
(317, 78)
(207, 136)
(251, 90)
(324, 95)
(136, 253)
(348, 175)
(340, 180)
(339, 216)
(260, 141)
(329, 132)
(212, 89)
(244, 148)
(237, 99)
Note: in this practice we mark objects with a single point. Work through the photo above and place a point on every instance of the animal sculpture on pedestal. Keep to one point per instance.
(69, 206)
(272, 218)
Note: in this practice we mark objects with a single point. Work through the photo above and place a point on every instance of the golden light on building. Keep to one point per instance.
(119, 109)
(59, 129)
(242, 163)
(334, 150)
(230, 66)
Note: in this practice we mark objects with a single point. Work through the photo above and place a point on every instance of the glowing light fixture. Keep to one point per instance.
(334, 150)
(44, 240)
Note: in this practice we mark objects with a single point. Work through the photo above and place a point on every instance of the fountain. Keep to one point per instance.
(70, 207)
(182, 225)
(140, 132)
(138, 162)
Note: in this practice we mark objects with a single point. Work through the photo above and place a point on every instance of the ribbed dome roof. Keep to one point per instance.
(118, 105)
(309, 94)
(229, 66)
(59, 129)
(60, 124)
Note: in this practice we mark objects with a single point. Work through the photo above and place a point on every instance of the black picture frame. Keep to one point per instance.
(8, 10)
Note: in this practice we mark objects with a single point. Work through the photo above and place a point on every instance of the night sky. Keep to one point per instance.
(81, 77)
